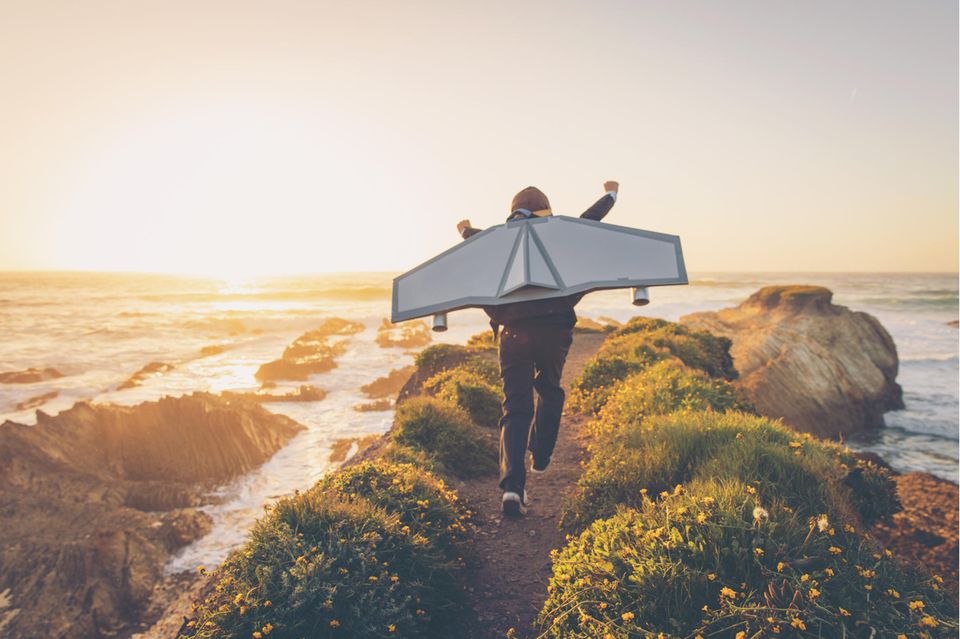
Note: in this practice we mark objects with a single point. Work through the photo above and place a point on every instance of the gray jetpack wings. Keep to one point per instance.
(537, 258)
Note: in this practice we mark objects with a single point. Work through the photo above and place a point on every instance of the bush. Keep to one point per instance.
(664, 387)
(714, 559)
(422, 501)
(665, 450)
(654, 338)
(591, 389)
(482, 342)
(445, 433)
(323, 565)
(470, 391)
(643, 342)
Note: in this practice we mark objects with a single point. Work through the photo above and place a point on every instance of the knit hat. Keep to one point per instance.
(530, 202)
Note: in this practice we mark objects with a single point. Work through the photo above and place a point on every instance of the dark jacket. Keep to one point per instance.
(555, 311)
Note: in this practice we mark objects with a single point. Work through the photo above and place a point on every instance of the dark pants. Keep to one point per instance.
(530, 358)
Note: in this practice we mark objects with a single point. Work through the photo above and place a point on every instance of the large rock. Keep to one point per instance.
(82, 543)
(821, 367)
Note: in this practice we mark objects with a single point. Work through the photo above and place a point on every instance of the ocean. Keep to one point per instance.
(99, 328)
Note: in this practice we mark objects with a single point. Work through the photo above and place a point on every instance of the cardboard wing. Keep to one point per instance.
(537, 258)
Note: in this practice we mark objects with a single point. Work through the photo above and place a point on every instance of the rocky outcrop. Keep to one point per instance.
(926, 530)
(311, 353)
(95, 499)
(29, 376)
(152, 369)
(406, 335)
(388, 385)
(821, 367)
(37, 400)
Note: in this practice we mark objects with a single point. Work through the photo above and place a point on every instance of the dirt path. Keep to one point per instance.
(508, 581)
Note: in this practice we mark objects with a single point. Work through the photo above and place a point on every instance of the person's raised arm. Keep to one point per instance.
(602, 206)
(465, 230)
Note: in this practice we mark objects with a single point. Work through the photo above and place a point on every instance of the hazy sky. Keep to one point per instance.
(262, 137)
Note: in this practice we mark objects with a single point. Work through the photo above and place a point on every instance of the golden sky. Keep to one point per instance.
(240, 138)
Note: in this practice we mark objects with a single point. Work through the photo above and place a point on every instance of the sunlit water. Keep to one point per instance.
(98, 329)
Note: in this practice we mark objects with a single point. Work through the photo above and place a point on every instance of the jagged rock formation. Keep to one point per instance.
(29, 376)
(95, 499)
(821, 367)
(311, 353)
(150, 370)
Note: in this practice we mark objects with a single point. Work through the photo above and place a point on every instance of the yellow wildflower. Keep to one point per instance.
(372, 578)
(781, 565)
(796, 622)
(804, 577)
(829, 571)
(844, 612)
(834, 550)
(267, 629)
(728, 592)
(391, 628)
(751, 490)
(929, 621)
(916, 605)
(814, 593)
(741, 635)
(796, 444)
(257, 634)
(701, 517)
(822, 523)
(627, 616)
(267, 603)
(758, 552)
(711, 576)
(678, 489)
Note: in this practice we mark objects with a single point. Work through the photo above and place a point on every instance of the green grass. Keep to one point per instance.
(714, 558)
(445, 433)
(470, 391)
(659, 452)
(328, 563)
(639, 344)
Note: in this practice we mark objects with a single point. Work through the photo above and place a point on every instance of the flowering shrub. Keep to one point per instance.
(470, 391)
(445, 433)
(321, 564)
(639, 344)
(716, 558)
(664, 387)
(661, 451)
(425, 505)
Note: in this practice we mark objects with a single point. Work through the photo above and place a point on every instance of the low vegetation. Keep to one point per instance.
(370, 552)
(700, 518)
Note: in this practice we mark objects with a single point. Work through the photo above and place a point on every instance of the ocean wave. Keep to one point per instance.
(930, 359)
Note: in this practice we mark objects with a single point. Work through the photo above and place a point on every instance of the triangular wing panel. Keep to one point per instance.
(539, 258)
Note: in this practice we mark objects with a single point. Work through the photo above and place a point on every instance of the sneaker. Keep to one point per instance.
(511, 505)
(537, 468)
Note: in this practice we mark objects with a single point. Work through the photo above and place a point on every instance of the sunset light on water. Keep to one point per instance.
(210, 428)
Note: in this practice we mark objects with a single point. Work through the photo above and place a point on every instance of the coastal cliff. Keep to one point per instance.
(95, 499)
(821, 367)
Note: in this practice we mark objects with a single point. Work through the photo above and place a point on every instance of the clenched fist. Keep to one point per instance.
(462, 225)
(611, 186)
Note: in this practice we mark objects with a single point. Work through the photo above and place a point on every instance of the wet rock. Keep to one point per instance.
(390, 384)
(311, 353)
(82, 549)
(29, 376)
(414, 334)
(821, 367)
(39, 400)
(152, 369)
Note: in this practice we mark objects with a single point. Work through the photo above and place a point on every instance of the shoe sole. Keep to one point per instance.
(513, 508)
